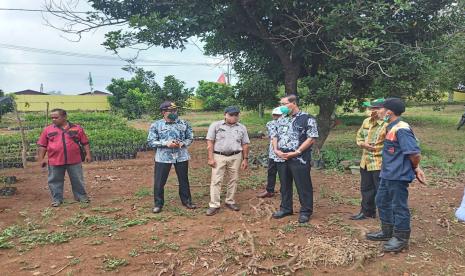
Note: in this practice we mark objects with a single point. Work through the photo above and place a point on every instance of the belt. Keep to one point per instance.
(227, 153)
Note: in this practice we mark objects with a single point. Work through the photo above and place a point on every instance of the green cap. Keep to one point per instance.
(375, 103)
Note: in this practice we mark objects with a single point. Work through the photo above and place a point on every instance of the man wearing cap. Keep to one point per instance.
(296, 132)
(370, 137)
(401, 159)
(170, 137)
(272, 157)
(228, 151)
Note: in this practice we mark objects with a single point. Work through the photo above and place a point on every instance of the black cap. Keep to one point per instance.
(168, 105)
(396, 105)
(232, 109)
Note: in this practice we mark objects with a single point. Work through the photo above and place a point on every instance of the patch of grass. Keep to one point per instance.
(47, 213)
(288, 228)
(5, 244)
(113, 263)
(133, 253)
(159, 247)
(354, 201)
(89, 220)
(159, 217)
(106, 210)
(324, 192)
(203, 242)
(143, 192)
(43, 237)
(96, 242)
(74, 261)
(181, 212)
(134, 222)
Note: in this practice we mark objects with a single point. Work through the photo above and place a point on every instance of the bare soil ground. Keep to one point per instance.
(118, 234)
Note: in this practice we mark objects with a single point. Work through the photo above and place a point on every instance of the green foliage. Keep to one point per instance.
(5, 107)
(257, 89)
(142, 95)
(215, 96)
(112, 263)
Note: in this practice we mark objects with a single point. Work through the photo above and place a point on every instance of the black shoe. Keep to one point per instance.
(212, 211)
(190, 205)
(304, 218)
(56, 203)
(233, 206)
(265, 194)
(398, 242)
(361, 216)
(280, 214)
(157, 209)
(384, 235)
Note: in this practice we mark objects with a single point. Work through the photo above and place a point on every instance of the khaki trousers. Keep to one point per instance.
(229, 165)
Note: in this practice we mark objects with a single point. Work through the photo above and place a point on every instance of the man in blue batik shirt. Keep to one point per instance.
(170, 137)
(401, 159)
(296, 132)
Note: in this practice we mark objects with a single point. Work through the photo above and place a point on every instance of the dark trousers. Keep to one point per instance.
(392, 202)
(162, 171)
(293, 170)
(271, 179)
(369, 182)
(56, 180)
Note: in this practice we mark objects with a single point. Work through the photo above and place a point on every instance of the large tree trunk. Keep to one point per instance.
(291, 75)
(324, 121)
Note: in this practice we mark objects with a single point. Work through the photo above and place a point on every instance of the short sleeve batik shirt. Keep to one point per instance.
(291, 134)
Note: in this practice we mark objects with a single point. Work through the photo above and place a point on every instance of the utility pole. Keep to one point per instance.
(91, 84)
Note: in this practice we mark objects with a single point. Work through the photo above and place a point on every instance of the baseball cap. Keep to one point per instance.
(277, 111)
(168, 105)
(232, 109)
(375, 103)
(396, 105)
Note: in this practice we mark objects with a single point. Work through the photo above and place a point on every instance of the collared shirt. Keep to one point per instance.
(161, 133)
(271, 128)
(61, 145)
(228, 138)
(400, 142)
(372, 132)
(291, 134)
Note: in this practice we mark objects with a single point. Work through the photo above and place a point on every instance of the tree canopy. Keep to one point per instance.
(342, 50)
(142, 95)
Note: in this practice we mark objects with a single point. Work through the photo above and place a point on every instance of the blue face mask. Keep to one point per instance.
(387, 118)
(285, 110)
(172, 116)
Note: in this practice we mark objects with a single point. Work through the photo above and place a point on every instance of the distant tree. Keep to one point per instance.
(53, 92)
(257, 91)
(6, 106)
(215, 96)
(142, 95)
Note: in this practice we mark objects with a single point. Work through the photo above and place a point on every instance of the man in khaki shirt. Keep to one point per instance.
(228, 151)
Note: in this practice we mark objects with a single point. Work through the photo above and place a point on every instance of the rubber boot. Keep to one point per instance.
(383, 235)
(398, 242)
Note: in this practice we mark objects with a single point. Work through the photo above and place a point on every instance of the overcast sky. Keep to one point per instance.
(28, 29)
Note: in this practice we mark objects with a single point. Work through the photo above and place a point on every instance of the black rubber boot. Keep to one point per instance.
(383, 235)
(398, 242)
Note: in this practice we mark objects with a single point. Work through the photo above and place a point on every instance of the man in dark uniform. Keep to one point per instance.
(401, 159)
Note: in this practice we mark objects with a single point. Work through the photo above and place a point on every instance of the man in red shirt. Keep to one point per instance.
(60, 141)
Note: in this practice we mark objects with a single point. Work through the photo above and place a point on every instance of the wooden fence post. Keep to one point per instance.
(23, 135)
